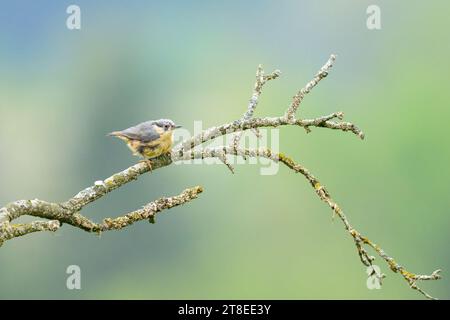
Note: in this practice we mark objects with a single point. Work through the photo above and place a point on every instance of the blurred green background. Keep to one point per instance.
(248, 235)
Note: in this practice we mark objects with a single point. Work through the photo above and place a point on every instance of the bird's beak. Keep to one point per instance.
(176, 127)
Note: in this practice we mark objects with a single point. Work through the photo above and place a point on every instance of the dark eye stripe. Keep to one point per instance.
(163, 124)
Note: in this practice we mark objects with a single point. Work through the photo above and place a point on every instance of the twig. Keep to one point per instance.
(149, 211)
(261, 80)
(298, 98)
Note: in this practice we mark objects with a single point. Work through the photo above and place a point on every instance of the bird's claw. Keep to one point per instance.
(148, 163)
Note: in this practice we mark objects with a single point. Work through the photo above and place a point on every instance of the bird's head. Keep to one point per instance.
(166, 124)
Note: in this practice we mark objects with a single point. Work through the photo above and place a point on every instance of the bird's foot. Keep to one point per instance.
(148, 163)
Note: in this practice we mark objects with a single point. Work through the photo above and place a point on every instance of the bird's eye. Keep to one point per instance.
(166, 127)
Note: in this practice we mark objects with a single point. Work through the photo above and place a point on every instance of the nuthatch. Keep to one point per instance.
(149, 139)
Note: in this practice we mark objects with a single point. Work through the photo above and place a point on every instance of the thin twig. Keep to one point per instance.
(298, 98)
(261, 80)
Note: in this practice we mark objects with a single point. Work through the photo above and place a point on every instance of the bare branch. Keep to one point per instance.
(100, 188)
(149, 211)
(9, 231)
(236, 126)
(298, 98)
(61, 215)
(325, 196)
(69, 211)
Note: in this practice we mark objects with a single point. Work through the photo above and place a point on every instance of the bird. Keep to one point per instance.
(148, 139)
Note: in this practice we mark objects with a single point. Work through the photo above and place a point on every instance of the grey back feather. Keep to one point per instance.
(143, 132)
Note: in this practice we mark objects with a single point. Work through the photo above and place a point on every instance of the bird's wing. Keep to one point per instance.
(142, 132)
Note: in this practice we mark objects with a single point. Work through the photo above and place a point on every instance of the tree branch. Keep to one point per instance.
(68, 211)
(242, 125)
(62, 214)
(325, 196)
(10, 231)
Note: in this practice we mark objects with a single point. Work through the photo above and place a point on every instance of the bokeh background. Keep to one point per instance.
(248, 235)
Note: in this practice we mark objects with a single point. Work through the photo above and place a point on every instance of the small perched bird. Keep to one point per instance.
(149, 139)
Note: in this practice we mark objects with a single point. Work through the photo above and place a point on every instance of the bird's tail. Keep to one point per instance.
(118, 134)
(115, 134)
